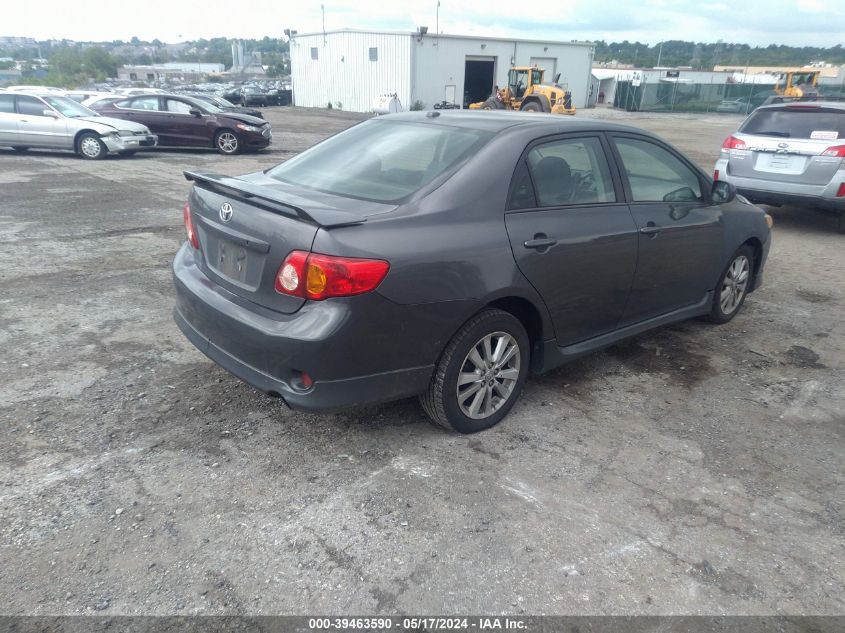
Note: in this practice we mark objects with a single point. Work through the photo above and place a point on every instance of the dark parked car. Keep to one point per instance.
(181, 121)
(279, 97)
(253, 96)
(447, 254)
(226, 106)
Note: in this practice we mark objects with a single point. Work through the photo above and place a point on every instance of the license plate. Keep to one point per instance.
(781, 163)
(231, 261)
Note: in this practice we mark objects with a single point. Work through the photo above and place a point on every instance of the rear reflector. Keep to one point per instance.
(189, 227)
(837, 151)
(733, 142)
(716, 175)
(315, 276)
(840, 193)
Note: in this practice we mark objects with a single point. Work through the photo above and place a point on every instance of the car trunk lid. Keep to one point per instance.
(247, 226)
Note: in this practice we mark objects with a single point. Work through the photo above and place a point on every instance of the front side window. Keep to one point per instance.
(382, 161)
(571, 171)
(31, 106)
(655, 174)
(179, 107)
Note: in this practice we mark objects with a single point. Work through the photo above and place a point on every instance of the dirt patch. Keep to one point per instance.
(663, 355)
(811, 296)
(804, 357)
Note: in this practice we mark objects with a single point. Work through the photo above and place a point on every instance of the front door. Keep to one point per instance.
(36, 129)
(188, 128)
(572, 235)
(680, 231)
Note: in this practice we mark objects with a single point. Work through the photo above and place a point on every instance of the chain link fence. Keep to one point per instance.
(666, 96)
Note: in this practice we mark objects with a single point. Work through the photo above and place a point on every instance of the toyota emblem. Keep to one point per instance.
(783, 145)
(226, 211)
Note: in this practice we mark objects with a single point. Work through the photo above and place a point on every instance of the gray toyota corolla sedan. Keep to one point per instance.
(448, 254)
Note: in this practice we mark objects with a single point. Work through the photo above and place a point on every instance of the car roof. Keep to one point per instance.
(493, 121)
(809, 104)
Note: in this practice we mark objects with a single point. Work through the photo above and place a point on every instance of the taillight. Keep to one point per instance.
(715, 175)
(189, 227)
(733, 142)
(840, 193)
(318, 277)
(837, 151)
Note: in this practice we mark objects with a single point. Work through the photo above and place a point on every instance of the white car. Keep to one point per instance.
(50, 121)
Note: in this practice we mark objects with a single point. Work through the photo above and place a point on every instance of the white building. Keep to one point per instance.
(353, 67)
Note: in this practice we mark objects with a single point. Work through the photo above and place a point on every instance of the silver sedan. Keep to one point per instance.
(50, 121)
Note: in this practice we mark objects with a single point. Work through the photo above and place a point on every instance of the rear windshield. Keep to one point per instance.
(797, 122)
(382, 161)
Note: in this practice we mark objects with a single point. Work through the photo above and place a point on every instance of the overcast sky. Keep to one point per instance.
(757, 22)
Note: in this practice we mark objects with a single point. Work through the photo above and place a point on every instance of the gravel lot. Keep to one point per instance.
(696, 469)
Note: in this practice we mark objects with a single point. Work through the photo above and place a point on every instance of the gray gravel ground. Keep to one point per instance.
(696, 469)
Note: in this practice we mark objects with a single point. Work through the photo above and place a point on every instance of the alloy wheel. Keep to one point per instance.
(734, 284)
(227, 142)
(488, 375)
(90, 147)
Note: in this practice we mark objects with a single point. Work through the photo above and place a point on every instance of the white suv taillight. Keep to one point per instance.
(837, 151)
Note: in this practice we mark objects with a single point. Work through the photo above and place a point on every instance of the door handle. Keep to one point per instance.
(539, 242)
(650, 229)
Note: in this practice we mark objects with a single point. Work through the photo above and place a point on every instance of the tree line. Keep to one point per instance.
(704, 56)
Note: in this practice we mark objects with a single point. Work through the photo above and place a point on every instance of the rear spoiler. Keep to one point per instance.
(263, 197)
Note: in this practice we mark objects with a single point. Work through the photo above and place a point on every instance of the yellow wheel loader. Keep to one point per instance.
(526, 91)
(798, 84)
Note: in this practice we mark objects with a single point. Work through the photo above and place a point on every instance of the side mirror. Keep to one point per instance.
(723, 192)
(50, 113)
(195, 111)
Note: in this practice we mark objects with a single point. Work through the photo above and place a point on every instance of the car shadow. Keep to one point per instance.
(803, 219)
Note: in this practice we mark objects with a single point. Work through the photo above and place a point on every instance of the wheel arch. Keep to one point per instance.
(532, 320)
(540, 100)
(219, 131)
(79, 134)
(757, 247)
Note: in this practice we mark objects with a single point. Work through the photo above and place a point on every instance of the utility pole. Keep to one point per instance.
(437, 21)
(323, 9)
(659, 54)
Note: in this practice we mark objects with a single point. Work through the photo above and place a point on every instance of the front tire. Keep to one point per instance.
(481, 373)
(733, 286)
(531, 107)
(90, 147)
(227, 142)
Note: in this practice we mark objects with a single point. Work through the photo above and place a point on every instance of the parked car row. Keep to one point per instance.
(124, 125)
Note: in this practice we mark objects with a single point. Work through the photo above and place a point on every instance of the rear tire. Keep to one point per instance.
(19, 148)
(227, 142)
(733, 286)
(90, 147)
(481, 373)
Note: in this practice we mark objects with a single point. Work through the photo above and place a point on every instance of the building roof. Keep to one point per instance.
(431, 35)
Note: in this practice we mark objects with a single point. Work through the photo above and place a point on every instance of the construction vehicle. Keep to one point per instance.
(525, 91)
(798, 84)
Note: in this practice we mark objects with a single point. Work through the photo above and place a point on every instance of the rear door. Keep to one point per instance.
(37, 130)
(786, 144)
(8, 120)
(680, 231)
(147, 111)
(572, 234)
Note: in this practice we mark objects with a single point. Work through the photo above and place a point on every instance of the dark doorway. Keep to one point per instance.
(478, 80)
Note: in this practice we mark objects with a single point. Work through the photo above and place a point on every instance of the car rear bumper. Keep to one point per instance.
(779, 193)
(269, 350)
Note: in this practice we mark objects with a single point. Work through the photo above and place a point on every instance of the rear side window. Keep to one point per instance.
(571, 171)
(809, 122)
(382, 161)
(7, 103)
(145, 103)
(655, 174)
